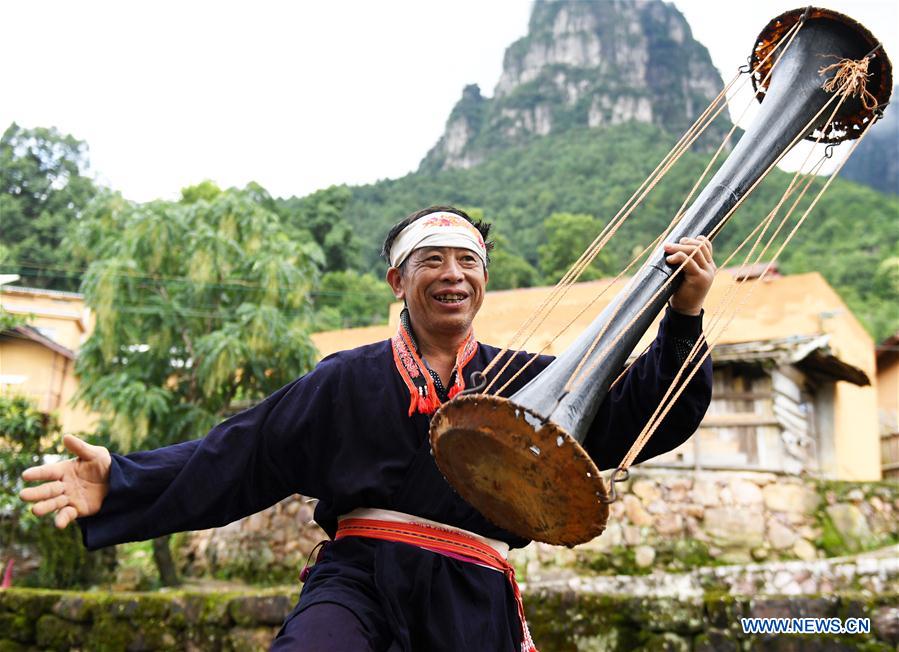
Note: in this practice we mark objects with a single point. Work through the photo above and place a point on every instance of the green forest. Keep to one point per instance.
(534, 192)
(547, 199)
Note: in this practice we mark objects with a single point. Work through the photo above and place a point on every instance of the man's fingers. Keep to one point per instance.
(706, 248)
(679, 257)
(42, 492)
(704, 256)
(676, 258)
(47, 506)
(699, 249)
(65, 516)
(78, 447)
(703, 245)
(43, 473)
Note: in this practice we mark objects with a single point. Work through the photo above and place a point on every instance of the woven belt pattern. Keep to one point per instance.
(445, 542)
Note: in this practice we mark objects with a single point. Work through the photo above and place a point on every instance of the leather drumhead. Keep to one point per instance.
(526, 476)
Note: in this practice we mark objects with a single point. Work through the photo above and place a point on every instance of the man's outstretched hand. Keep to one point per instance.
(72, 488)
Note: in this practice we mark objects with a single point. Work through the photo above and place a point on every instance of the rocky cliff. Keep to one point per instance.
(584, 64)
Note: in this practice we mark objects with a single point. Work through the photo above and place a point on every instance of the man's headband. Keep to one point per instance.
(437, 230)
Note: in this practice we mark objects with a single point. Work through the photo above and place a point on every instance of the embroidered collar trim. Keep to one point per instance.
(423, 393)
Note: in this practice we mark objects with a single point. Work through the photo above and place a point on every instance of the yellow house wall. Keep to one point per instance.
(856, 422)
(65, 317)
(42, 368)
(328, 342)
(66, 321)
(856, 433)
(75, 418)
(49, 381)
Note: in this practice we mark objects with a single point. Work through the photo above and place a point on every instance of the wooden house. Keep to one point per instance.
(793, 371)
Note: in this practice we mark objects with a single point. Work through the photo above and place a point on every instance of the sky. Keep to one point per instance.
(296, 96)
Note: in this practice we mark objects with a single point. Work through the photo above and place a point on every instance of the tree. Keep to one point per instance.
(198, 304)
(346, 299)
(26, 434)
(205, 190)
(321, 215)
(567, 236)
(885, 286)
(43, 190)
(507, 269)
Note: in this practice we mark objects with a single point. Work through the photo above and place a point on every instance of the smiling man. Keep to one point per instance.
(410, 565)
(438, 268)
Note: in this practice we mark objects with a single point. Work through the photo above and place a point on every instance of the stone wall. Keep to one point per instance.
(588, 622)
(872, 573)
(666, 520)
(270, 547)
(36, 619)
(678, 521)
(561, 620)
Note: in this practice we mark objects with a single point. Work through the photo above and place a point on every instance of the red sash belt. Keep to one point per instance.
(444, 542)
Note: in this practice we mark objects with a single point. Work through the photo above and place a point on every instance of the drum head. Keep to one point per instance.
(853, 116)
(528, 477)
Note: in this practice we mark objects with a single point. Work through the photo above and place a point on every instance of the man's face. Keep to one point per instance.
(443, 288)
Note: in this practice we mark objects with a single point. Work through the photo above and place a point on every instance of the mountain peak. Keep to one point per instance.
(583, 64)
